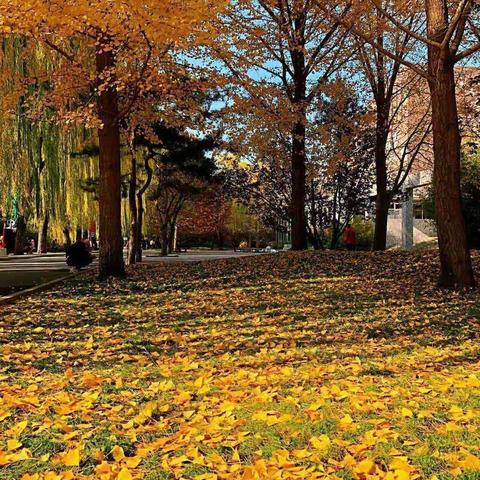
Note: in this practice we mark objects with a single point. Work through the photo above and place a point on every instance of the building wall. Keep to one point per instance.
(423, 231)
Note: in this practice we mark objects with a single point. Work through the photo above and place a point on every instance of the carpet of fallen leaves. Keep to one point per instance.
(293, 366)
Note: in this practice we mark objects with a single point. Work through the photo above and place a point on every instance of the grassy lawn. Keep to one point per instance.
(296, 366)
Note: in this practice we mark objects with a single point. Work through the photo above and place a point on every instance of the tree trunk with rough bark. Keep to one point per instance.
(164, 239)
(20, 236)
(456, 263)
(455, 259)
(42, 235)
(111, 262)
(299, 225)
(299, 133)
(140, 211)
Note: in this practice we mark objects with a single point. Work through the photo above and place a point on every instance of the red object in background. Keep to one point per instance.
(93, 228)
(2, 240)
(208, 215)
(350, 236)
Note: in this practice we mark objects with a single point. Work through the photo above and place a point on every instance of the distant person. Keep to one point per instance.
(350, 238)
(78, 255)
(55, 247)
(93, 242)
(28, 247)
(32, 247)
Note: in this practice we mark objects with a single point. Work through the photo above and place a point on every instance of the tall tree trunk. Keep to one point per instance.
(455, 260)
(171, 237)
(456, 263)
(140, 209)
(111, 262)
(66, 236)
(299, 154)
(20, 236)
(335, 241)
(297, 209)
(132, 202)
(315, 240)
(382, 204)
(42, 235)
(164, 238)
(312, 229)
(220, 240)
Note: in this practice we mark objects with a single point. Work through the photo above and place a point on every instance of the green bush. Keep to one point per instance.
(365, 232)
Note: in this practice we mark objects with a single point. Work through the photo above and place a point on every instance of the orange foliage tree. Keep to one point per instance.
(281, 57)
(449, 34)
(106, 56)
(206, 217)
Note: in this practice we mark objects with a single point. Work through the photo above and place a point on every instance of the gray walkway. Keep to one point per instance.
(56, 261)
(33, 263)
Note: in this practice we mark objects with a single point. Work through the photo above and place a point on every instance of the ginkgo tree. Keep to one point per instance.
(281, 58)
(450, 35)
(105, 57)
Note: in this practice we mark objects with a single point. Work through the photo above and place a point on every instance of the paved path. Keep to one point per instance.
(56, 261)
(32, 263)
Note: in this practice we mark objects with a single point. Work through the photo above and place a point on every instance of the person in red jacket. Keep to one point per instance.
(3, 243)
(350, 237)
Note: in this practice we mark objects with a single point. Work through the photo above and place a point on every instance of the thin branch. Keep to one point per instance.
(459, 19)
(136, 93)
(466, 53)
(349, 26)
(404, 28)
(61, 51)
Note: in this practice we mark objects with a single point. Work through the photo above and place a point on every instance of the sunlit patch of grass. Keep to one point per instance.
(430, 465)
(42, 444)
(18, 470)
(469, 475)
(439, 442)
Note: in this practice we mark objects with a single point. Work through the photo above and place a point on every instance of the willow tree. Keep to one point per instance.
(36, 150)
(106, 56)
(45, 180)
(280, 57)
(449, 36)
(19, 146)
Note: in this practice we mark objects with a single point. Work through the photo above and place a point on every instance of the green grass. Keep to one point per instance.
(178, 360)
